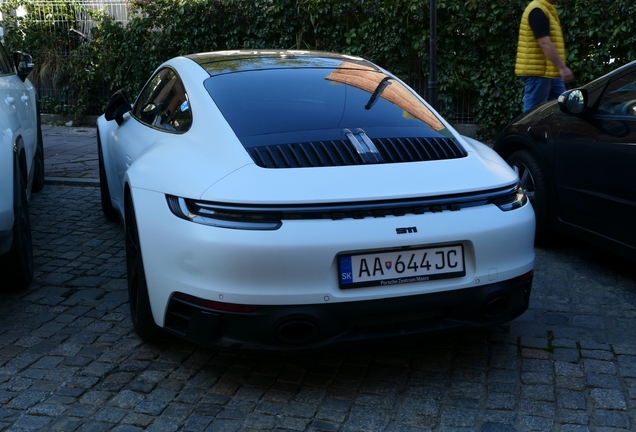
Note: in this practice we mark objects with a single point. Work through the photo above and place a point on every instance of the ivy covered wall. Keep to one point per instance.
(476, 42)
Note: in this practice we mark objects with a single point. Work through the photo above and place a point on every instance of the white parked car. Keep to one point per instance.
(292, 199)
(21, 168)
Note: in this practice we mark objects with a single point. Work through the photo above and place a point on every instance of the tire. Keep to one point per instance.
(17, 264)
(38, 161)
(140, 311)
(532, 179)
(107, 206)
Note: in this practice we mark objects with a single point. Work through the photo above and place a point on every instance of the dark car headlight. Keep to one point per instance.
(208, 214)
(512, 200)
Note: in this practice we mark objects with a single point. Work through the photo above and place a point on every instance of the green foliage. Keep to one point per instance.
(476, 42)
(598, 32)
(44, 32)
(53, 105)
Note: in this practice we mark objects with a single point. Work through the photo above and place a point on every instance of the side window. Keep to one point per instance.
(164, 104)
(6, 65)
(619, 98)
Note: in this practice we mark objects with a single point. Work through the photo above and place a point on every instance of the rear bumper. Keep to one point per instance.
(298, 263)
(292, 327)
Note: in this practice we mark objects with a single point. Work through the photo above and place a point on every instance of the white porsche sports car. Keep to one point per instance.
(293, 199)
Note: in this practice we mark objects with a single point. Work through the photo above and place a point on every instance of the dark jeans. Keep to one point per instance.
(538, 90)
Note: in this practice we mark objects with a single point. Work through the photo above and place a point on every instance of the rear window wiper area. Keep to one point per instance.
(377, 92)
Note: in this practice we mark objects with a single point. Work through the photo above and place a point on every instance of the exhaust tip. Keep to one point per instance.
(296, 331)
(495, 307)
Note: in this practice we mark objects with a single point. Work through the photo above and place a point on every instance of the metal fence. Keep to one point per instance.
(73, 17)
(458, 111)
(52, 11)
(117, 9)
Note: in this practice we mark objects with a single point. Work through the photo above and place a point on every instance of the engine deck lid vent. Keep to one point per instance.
(357, 149)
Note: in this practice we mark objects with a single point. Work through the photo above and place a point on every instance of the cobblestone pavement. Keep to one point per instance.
(70, 152)
(70, 361)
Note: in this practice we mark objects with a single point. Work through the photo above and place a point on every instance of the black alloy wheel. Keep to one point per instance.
(140, 311)
(532, 180)
(16, 266)
(107, 206)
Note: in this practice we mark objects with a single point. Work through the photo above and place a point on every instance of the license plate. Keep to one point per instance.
(396, 267)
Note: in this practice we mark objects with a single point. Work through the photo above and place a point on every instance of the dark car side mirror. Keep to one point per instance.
(573, 102)
(117, 106)
(23, 64)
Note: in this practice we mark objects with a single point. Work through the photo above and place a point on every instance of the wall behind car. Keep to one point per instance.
(476, 43)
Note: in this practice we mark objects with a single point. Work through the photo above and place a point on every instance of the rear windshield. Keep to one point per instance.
(321, 102)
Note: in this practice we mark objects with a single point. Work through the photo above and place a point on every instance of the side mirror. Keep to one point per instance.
(23, 64)
(573, 102)
(117, 106)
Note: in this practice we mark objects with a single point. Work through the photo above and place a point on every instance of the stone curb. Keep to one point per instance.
(58, 118)
(87, 182)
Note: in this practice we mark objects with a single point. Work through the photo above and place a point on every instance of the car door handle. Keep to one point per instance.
(9, 100)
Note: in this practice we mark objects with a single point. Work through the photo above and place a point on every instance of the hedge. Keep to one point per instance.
(476, 42)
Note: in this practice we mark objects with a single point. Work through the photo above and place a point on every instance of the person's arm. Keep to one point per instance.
(541, 28)
(551, 54)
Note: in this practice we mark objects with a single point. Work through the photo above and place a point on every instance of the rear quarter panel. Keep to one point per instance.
(9, 130)
(6, 180)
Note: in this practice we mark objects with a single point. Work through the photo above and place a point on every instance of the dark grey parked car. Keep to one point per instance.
(576, 159)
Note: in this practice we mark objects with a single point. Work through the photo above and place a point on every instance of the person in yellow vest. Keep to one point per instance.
(541, 54)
